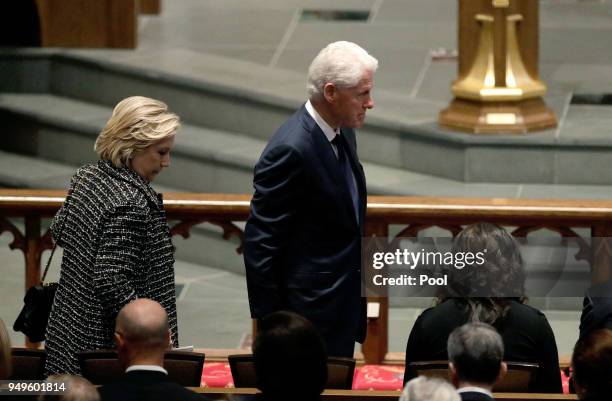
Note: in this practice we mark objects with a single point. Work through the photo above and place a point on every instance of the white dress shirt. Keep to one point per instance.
(329, 132)
(474, 389)
(152, 368)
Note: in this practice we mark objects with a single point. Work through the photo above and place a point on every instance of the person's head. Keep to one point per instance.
(141, 333)
(425, 388)
(493, 275)
(340, 81)
(592, 364)
(77, 389)
(475, 355)
(139, 135)
(290, 357)
(499, 271)
(5, 352)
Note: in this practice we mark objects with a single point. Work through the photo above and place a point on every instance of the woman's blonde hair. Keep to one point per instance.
(5, 352)
(136, 123)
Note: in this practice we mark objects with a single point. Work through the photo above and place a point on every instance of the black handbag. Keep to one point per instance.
(34, 316)
(38, 301)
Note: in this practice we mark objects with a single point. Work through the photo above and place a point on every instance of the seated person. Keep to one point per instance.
(142, 337)
(525, 331)
(592, 366)
(77, 389)
(425, 388)
(475, 359)
(290, 358)
(597, 309)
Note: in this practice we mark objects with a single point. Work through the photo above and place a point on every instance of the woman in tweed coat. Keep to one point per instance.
(113, 229)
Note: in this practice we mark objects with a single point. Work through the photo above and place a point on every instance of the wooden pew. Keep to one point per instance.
(364, 395)
(88, 23)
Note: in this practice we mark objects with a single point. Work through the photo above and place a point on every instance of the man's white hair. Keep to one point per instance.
(424, 388)
(341, 63)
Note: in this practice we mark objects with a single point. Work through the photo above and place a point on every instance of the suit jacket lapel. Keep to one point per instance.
(330, 164)
(358, 172)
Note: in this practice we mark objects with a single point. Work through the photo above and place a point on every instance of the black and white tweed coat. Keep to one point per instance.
(117, 247)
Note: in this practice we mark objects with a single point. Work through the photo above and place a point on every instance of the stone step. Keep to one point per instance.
(19, 171)
(29, 172)
(64, 129)
(252, 100)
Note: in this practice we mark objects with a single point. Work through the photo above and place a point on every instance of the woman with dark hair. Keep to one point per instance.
(491, 292)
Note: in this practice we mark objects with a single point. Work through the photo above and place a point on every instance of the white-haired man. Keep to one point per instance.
(424, 388)
(303, 236)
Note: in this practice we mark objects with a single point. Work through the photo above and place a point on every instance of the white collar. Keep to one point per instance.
(329, 132)
(153, 368)
(474, 389)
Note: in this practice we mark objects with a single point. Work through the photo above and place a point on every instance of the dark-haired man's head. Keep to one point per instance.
(475, 354)
(141, 333)
(592, 365)
(290, 357)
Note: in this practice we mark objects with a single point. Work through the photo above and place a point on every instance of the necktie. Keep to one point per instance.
(346, 172)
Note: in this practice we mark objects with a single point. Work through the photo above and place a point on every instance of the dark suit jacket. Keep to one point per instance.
(597, 309)
(525, 331)
(144, 385)
(302, 239)
(475, 396)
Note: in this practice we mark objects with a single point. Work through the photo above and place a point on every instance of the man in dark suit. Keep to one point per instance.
(303, 237)
(475, 354)
(592, 366)
(596, 309)
(142, 337)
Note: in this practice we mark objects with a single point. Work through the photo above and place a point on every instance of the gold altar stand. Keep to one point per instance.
(498, 89)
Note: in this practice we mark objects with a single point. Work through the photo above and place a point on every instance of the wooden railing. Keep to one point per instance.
(417, 213)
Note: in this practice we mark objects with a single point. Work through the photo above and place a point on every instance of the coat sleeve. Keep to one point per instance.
(59, 220)
(548, 379)
(278, 189)
(122, 240)
(413, 350)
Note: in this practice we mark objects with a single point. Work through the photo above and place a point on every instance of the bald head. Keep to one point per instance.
(143, 322)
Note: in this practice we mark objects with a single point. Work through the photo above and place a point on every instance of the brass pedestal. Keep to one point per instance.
(498, 89)
(499, 117)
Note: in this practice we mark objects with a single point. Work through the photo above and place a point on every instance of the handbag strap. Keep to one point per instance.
(42, 281)
(59, 234)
